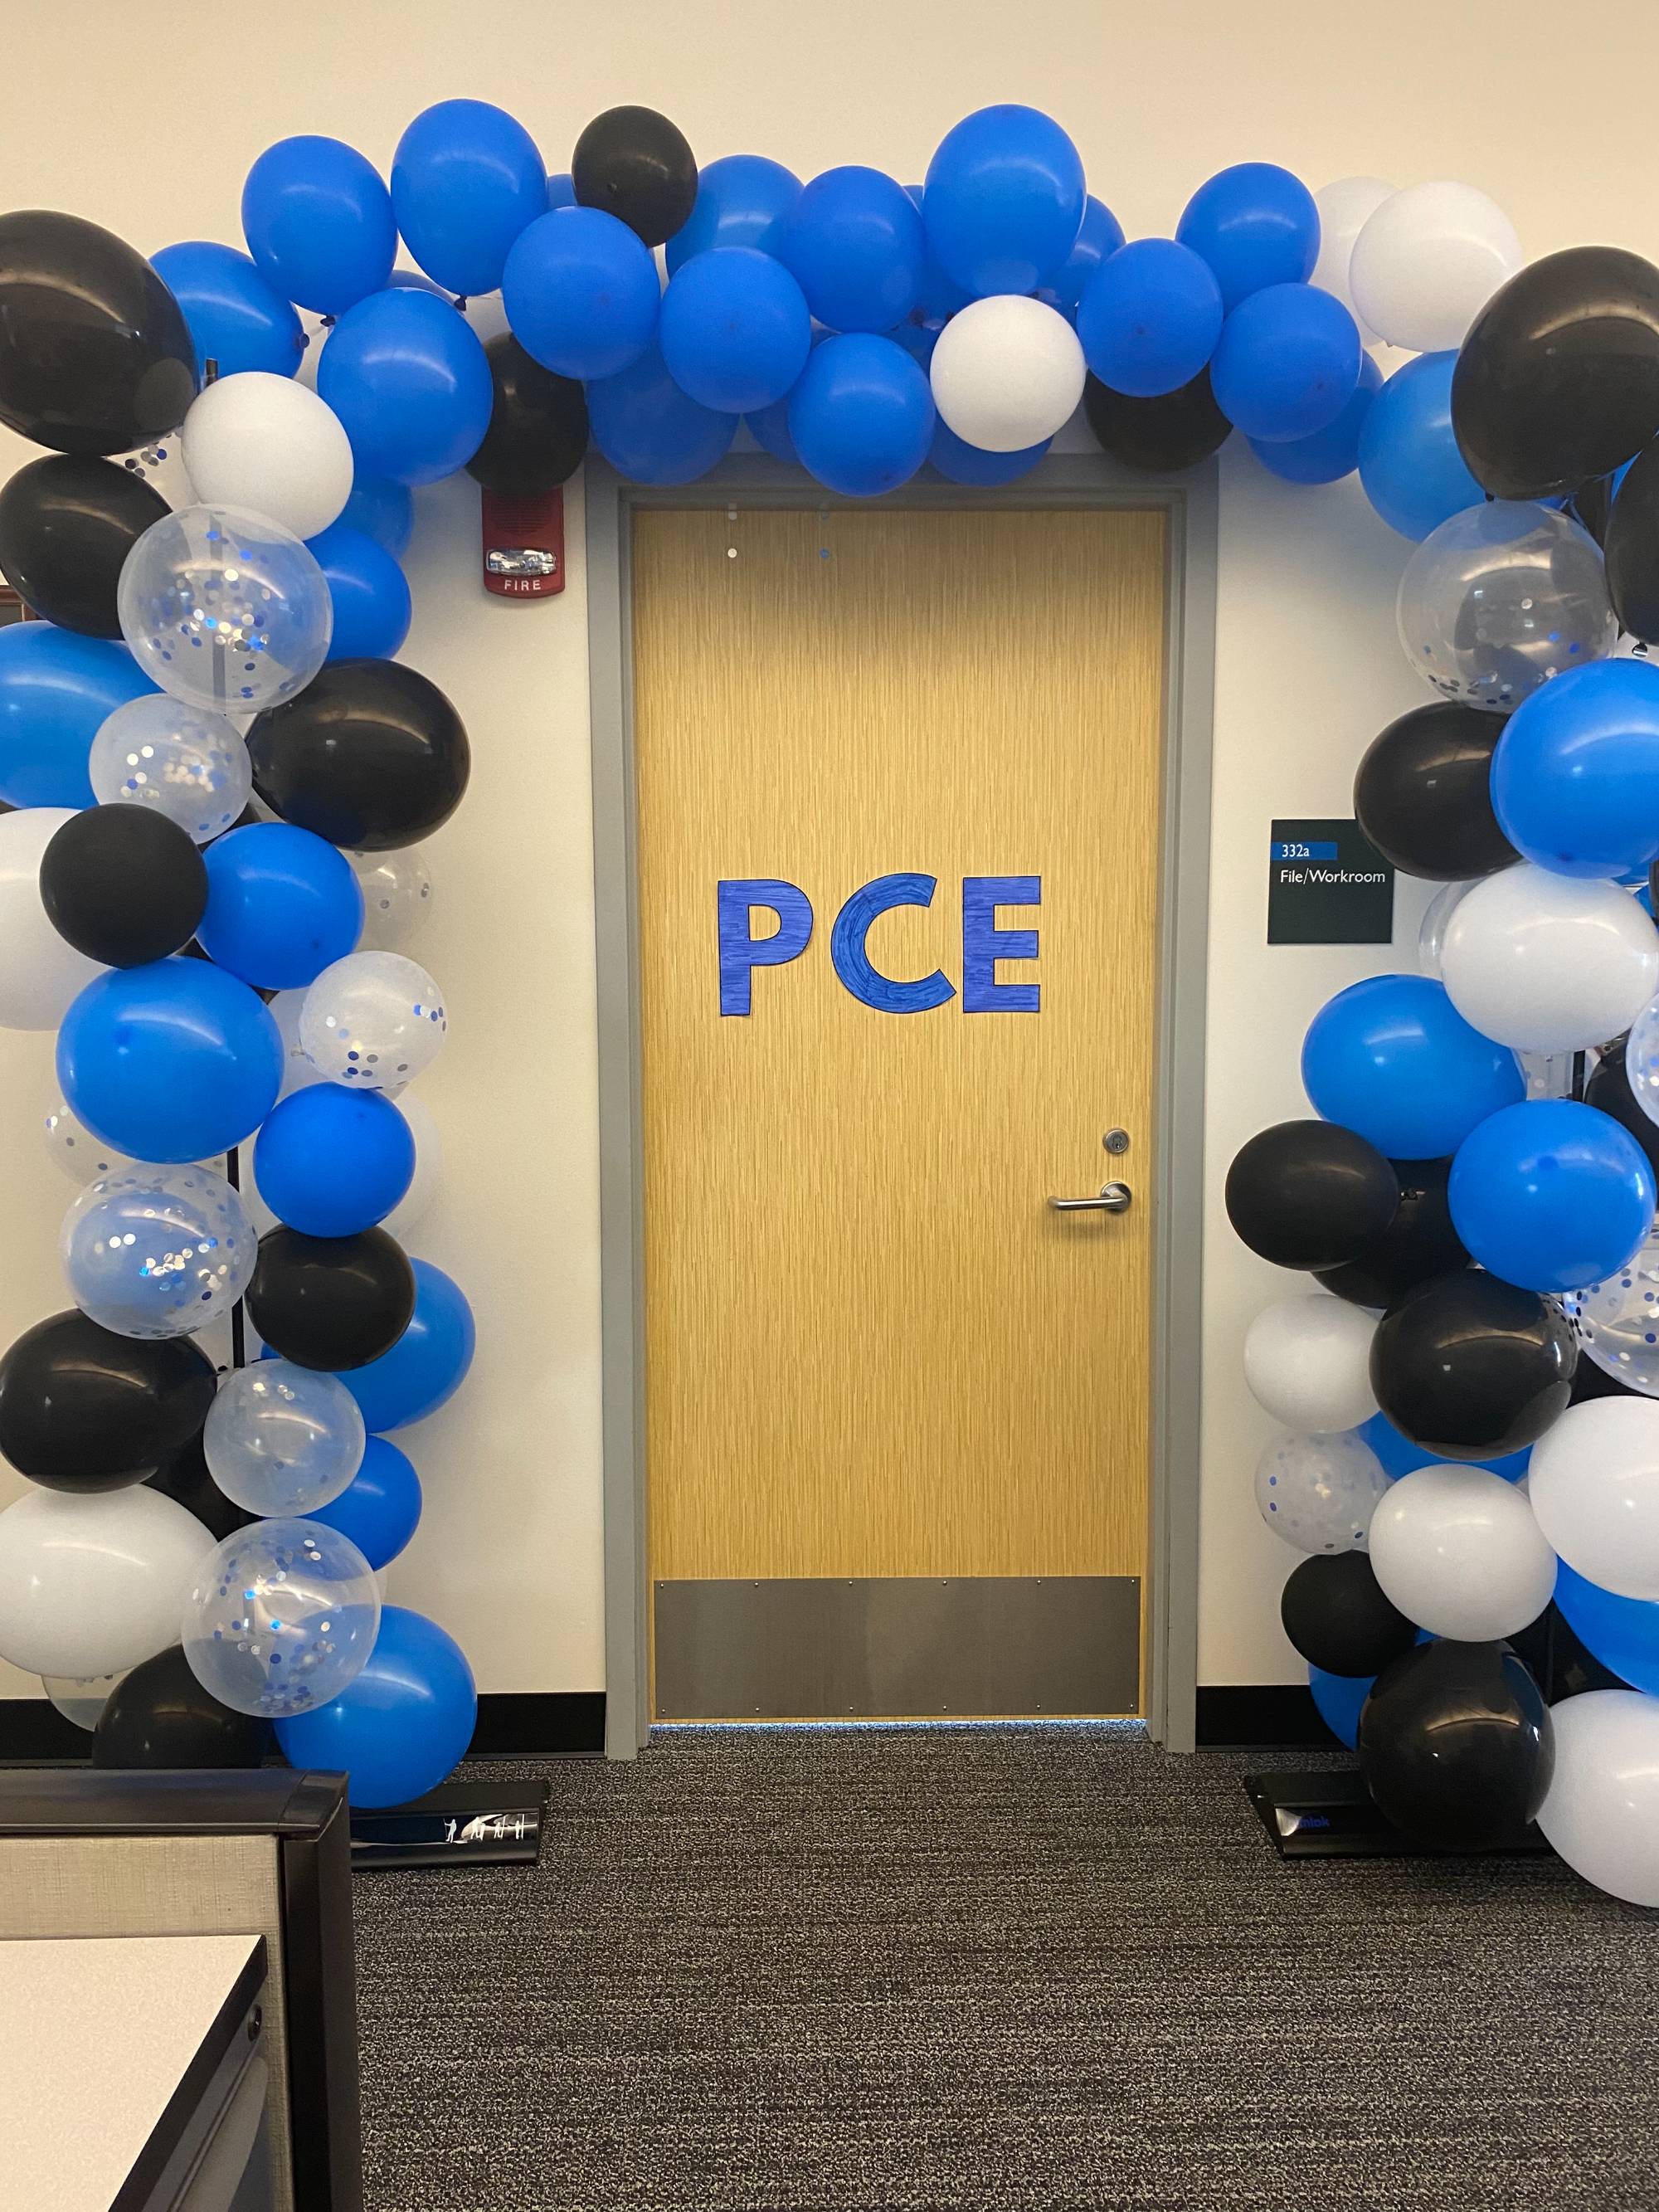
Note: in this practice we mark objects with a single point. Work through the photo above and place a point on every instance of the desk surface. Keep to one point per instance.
(96, 2036)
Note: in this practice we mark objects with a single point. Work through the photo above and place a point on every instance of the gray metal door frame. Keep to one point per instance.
(1060, 480)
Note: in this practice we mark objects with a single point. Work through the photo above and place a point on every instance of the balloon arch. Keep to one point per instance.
(221, 777)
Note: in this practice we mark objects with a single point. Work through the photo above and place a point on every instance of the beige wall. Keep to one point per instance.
(146, 119)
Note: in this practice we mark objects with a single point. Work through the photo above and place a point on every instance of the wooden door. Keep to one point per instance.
(874, 1354)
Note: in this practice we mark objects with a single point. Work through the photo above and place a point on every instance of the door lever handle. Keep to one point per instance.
(1113, 1198)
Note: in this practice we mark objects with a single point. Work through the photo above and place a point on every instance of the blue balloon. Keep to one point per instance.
(770, 429)
(369, 591)
(1286, 362)
(1101, 236)
(743, 199)
(401, 1725)
(1409, 465)
(1392, 1059)
(1150, 317)
(173, 1061)
(380, 1509)
(330, 1161)
(1256, 225)
(1400, 1455)
(855, 242)
(467, 179)
(582, 293)
(428, 1364)
(382, 510)
(651, 431)
(1575, 779)
(235, 317)
(282, 905)
(917, 336)
(561, 191)
(318, 221)
(734, 332)
(963, 464)
(1003, 202)
(861, 415)
(56, 687)
(1551, 1195)
(1622, 1632)
(941, 296)
(406, 375)
(1333, 451)
(1337, 1697)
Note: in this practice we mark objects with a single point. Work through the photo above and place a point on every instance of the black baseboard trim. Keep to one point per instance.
(512, 1724)
(1261, 1716)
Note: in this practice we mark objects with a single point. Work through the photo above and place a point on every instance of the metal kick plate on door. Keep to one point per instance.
(898, 1648)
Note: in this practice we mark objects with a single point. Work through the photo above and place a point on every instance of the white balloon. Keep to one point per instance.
(91, 1585)
(1458, 1551)
(1431, 936)
(81, 1699)
(1345, 208)
(1320, 1493)
(1600, 1811)
(1308, 1361)
(396, 887)
(1007, 372)
(372, 1020)
(415, 1203)
(39, 972)
(266, 443)
(1594, 1483)
(83, 1157)
(1549, 964)
(180, 761)
(1427, 261)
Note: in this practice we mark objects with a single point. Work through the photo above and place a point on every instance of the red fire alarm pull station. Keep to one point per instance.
(524, 545)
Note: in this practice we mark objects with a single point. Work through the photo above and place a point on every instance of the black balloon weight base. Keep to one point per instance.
(1331, 1816)
(462, 1823)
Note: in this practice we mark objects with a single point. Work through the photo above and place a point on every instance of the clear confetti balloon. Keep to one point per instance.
(81, 1698)
(396, 887)
(1501, 597)
(1618, 1321)
(72, 1147)
(415, 1203)
(372, 1020)
(1642, 1060)
(225, 610)
(1319, 1492)
(297, 1070)
(281, 1617)
(1431, 937)
(158, 1251)
(182, 762)
(283, 1440)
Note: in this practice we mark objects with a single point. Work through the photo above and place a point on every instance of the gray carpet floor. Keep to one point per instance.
(1032, 1967)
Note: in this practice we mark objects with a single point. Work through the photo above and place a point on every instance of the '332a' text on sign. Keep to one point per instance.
(984, 944)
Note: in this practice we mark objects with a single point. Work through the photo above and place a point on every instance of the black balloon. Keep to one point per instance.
(537, 431)
(1456, 1746)
(1418, 1244)
(370, 755)
(636, 165)
(94, 355)
(331, 1302)
(1631, 545)
(1559, 379)
(124, 884)
(160, 1716)
(1591, 507)
(1160, 436)
(1561, 1665)
(1336, 1614)
(1310, 1195)
(1609, 1089)
(67, 523)
(1423, 794)
(185, 1479)
(1472, 1368)
(83, 1409)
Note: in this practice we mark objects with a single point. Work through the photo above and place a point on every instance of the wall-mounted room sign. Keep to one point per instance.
(983, 942)
(1327, 885)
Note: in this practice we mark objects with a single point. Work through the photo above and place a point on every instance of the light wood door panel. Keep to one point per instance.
(871, 1349)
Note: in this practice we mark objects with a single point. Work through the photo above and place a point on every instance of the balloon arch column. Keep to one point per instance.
(222, 776)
